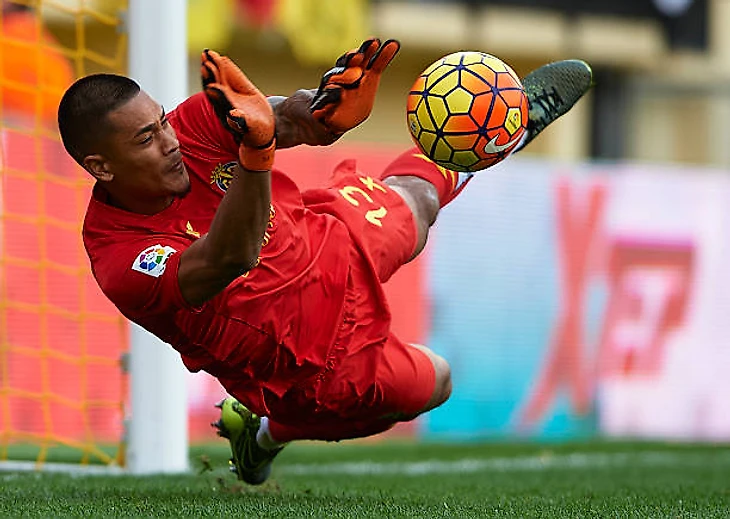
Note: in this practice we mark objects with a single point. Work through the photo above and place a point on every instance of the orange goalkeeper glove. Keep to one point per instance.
(241, 108)
(347, 91)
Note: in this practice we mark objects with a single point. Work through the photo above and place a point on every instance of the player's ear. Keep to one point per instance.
(96, 165)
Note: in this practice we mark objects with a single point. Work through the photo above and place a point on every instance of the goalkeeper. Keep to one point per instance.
(276, 292)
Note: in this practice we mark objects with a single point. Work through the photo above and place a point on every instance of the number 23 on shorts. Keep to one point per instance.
(353, 193)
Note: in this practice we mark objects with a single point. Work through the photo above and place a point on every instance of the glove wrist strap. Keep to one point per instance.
(257, 159)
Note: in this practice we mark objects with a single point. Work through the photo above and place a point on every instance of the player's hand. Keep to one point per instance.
(347, 91)
(241, 108)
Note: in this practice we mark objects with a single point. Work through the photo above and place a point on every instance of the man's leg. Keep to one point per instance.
(419, 194)
(414, 379)
(442, 386)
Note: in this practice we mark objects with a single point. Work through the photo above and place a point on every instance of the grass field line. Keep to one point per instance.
(578, 461)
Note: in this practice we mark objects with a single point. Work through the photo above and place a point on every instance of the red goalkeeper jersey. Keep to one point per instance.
(272, 327)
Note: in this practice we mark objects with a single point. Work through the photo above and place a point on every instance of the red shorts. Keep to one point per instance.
(380, 223)
(360, 401)
(371, 378)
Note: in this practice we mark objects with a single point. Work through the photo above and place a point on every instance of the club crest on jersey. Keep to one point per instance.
(153, 260)
(222, 175)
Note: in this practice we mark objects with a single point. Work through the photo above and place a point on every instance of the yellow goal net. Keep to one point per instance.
(62, 344)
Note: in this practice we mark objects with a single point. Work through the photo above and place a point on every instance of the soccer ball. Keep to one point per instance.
(467, 111)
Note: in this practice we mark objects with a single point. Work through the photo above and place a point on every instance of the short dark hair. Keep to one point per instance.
(84, 107)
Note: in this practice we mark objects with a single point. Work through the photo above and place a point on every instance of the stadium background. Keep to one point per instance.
(578, 290)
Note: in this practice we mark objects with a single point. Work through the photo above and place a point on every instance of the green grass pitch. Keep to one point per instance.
(399, 479)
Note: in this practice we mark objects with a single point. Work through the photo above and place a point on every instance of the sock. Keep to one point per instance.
(264, 438)
(448, 183)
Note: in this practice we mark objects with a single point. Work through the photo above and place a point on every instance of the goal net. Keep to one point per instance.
(62, 344)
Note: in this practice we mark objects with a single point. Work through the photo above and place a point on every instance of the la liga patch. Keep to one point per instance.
(153, 260)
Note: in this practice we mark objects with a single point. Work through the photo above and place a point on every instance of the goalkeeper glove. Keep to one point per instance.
(241, 108)
(347, 91)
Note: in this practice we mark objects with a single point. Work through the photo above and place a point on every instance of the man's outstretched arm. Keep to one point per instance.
(295, 123)
(344, 99)
(233, 242)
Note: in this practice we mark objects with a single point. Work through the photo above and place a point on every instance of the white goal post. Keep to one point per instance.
(158, 427)
(155, 437)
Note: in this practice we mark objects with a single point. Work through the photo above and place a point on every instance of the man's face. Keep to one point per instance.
(142, 151)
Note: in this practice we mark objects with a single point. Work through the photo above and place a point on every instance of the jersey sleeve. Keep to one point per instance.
(141, 277)
(199, 130)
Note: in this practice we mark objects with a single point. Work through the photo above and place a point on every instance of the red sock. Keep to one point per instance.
(414, 163)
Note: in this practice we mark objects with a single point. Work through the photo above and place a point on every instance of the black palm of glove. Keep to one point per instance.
(346, 94)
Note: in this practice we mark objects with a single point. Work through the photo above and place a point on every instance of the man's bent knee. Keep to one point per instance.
(420, 195)
(422, 199)
(442, 387)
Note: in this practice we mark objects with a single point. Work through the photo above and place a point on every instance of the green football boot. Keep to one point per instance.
(250, 462)
(552, 90)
